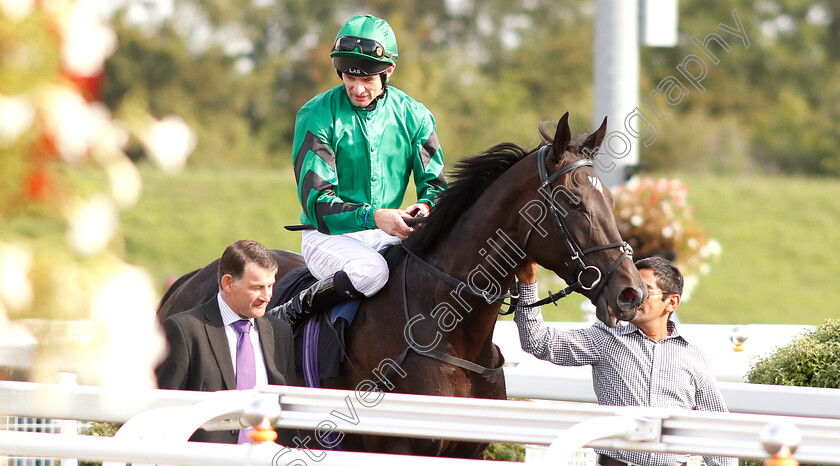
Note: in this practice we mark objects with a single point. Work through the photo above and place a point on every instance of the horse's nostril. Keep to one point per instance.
(628, 295)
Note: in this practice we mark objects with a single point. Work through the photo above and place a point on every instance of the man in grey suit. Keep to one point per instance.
(204, 342)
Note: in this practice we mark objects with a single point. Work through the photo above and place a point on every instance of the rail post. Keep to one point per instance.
(576, 437)
(780, 440)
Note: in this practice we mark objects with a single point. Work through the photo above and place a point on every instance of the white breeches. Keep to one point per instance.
(357, 254)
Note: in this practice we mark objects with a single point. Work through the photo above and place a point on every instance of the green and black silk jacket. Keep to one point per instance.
(350, 161)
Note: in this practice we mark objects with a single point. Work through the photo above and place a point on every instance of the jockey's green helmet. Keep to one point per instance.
(364, 46)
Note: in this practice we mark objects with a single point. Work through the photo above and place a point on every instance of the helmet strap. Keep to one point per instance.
(376, 100)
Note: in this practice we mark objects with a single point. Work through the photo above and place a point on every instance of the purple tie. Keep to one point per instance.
(246, 372)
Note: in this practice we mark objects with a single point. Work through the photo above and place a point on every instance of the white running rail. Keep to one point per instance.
(533, 422)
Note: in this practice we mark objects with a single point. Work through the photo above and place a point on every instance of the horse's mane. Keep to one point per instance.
(471, 177)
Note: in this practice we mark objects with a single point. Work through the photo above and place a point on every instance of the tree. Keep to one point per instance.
(491, 70)
(782, 89)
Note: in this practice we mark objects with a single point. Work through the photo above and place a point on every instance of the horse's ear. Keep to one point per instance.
(561, 137)
(590, 145)
(545, 136)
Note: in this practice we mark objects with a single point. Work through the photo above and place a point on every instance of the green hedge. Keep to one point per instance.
(812, 360)
(100, 429)
(505, 452)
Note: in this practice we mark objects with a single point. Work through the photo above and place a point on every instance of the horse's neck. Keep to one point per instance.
(486, 231)
(481, 250)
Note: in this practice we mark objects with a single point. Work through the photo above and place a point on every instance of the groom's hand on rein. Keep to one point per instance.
(527, 273)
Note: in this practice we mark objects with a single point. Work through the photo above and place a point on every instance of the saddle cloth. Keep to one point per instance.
(319, 343)
(327, 346)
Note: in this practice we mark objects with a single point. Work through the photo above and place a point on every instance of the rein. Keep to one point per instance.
(577, 254)
(458, 284)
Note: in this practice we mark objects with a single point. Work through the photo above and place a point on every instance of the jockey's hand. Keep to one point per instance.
(418, 210)
(527, 272)
(391, 221)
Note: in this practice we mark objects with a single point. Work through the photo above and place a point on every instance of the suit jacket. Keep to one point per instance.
(199, 358)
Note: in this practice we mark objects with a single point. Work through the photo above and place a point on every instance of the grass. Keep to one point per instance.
(185, 222)
(779, 236)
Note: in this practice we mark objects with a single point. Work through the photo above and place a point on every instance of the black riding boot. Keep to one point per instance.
(318, 298)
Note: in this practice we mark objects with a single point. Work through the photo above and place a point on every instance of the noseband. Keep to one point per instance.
(577, 254)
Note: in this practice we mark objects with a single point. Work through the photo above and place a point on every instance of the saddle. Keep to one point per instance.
(319, 343)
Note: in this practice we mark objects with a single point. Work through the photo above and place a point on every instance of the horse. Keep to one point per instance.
(429, 330)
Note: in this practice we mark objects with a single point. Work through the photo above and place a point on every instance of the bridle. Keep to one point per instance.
(576, 253)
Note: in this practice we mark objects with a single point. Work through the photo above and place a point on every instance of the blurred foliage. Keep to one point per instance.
(505, 452)
(100, 429)
(59, 280)
(490, 71)
(775, 101)
(653, 215)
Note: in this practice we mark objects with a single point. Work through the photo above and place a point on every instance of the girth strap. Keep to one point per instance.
(435, 354)
(442, 357)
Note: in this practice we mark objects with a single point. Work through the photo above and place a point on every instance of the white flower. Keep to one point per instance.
(667, 231)
(105, 135)
(87, 42)
(78, 126)
(667, 208)
(16, 10)
(69, 120)
(92, 225)
(125, 182)
(132, 343)
(15, 286)
(16, 116)
(714, 248)
(170, 142)
(637, 220)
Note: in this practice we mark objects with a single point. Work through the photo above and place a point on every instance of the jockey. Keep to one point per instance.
(354, 149)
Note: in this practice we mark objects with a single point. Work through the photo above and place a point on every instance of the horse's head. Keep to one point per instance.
(570, 227)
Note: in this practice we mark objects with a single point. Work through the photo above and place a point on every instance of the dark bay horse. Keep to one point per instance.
(429, 330)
